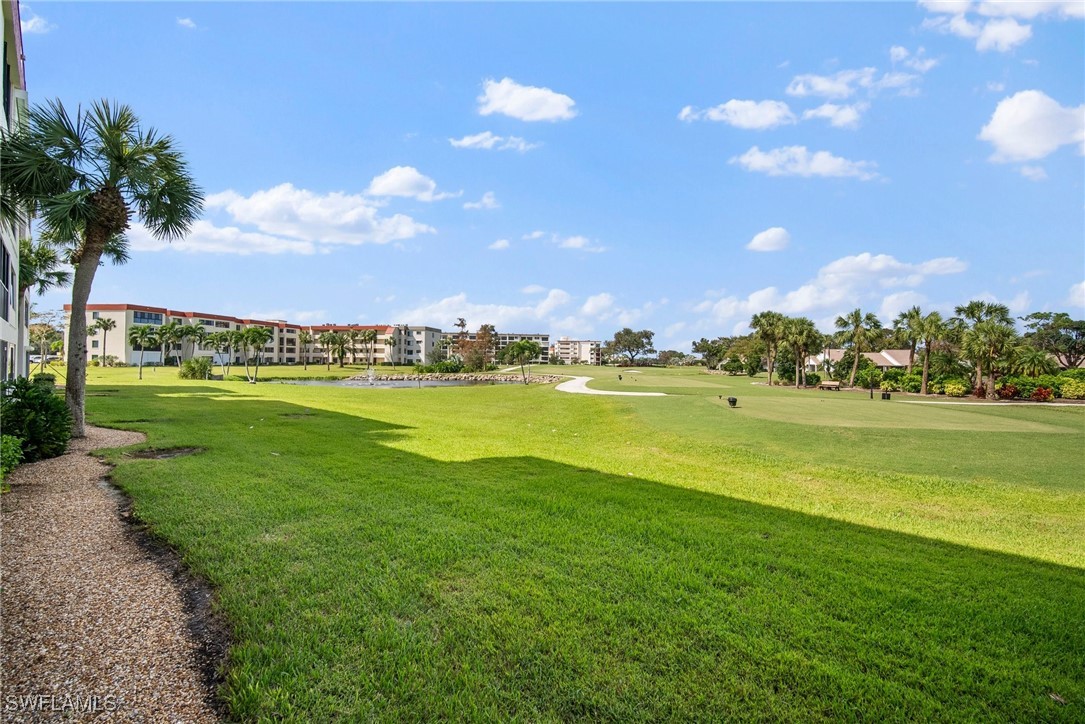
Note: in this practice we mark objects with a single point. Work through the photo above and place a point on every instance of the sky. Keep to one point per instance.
(573, 169)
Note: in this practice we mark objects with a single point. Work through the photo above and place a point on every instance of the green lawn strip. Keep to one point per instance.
(433, 556)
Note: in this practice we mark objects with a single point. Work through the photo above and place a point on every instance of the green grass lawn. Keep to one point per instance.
(513, 552)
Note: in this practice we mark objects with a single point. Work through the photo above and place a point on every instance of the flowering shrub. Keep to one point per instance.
(1073, 389)
(979, 391)
(1008, 391)
(1042, 394)
(955, 388)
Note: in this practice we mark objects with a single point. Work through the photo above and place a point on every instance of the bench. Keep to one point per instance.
(829, 385)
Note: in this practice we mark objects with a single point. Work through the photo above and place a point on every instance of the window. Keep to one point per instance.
(94, 315)
(94, 343)
(146, 318)
(207, 322)
(222, 325)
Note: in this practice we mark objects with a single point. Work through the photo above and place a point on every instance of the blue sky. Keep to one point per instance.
(576, 168)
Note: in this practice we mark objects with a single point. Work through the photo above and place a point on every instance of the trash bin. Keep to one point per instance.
(886, 395)
(732, 401)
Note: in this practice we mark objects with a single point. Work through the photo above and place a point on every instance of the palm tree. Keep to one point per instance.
(859, 328)
(39, 268)
(256, 337)
(168, 334)
(142, 336)
(932, 330)
(909, 327)
(83, 178)
(802, 336)
(193, 334)
(222, 343)
(1033, 362)
(971, 314)
(327, 340)
(392, 342)
(352, 338)
(105, 324)
(769, 328)
(305, 340)
(521, 352)
(369, 337)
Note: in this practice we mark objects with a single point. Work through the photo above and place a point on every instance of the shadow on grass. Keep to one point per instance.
(363, 581)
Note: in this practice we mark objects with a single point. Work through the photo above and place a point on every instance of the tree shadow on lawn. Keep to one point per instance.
(364, 581)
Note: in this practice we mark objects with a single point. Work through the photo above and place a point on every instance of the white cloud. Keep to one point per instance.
(488, 201)
(773, 239)
(491, 142)
(525, 102)
(205, 237)
(956, 7)
(531, 236)
(1002, 35)
(839, 85)
(1030, 125)
(187, 23)
(1033, 173)
(299, 316)
(506, 317)
(579, 243)
(407, 182)
(1029, 9)
(1076, 298)
(597, 304)
(916, 61)
(898, 53)
(798, 161)
(757, 115)
(533, 289)
(846, 116)
(301, 215)
(499, 245)
(894, 304)
(995, 86)
(862, 279)
(33, 24)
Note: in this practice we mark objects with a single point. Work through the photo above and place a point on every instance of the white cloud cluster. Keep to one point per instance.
(846, 83)
(838, 116)
(994, 23)
(206, 238)
(407, 182)
(916, 61)
(499, 245)
(33, 24)
(578, 243)
(524, 102)
(188, 23)
(757, 115)
(1076, 298)
(1031, 125)
(488, 201)
(775, 238)
(489, 141)
(798, 161)
(846, 282)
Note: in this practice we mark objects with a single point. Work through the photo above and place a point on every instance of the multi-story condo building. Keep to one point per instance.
(14, 310)
(504, 339)
(393, 344)
(578, 351)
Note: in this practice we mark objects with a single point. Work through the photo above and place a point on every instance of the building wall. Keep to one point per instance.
(14, 311)
(504, 339)
(584, 351)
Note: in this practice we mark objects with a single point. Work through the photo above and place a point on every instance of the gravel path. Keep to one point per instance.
(579, 385)
(90, 622)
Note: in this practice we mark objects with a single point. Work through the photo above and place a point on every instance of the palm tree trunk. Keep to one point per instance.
(245, 354)
(926, 369)
(105, 358)
(911, 357)
(75, 384)
(141, 361)
(770, 365)
(854, 369)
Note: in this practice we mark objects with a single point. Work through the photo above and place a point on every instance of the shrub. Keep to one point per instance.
(197, 368)
(1008, 391)
(869, 377)
(894, 376)
(979, 391)
(912, 383)
(11, 454)
(45, 379)
(890, 385)
(1073, 389)
(95, 363)
(935, 387)
(1075, 374)
(813, 379)
(955, 388)
(36, 416)
(1042, 394)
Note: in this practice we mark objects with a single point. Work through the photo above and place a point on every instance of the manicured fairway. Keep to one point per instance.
(514, 552)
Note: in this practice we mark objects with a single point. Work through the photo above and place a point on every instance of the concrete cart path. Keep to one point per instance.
(579, 385)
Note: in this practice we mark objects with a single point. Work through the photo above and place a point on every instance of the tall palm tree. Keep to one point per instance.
(39, 267)
(352, 336)
(369, 337)
(392, 342)
(769, 328)
(169, 334)
(256, 337)
(971, 314)
(990, 342)
(932, 331)
(802, 335)
(142, 336)
(521, 352)
(859, 328)
(327, 340)
(105, 324)
(305, 340)
(221, 343)
(909, 327)
(192, 334)
(84, 177)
